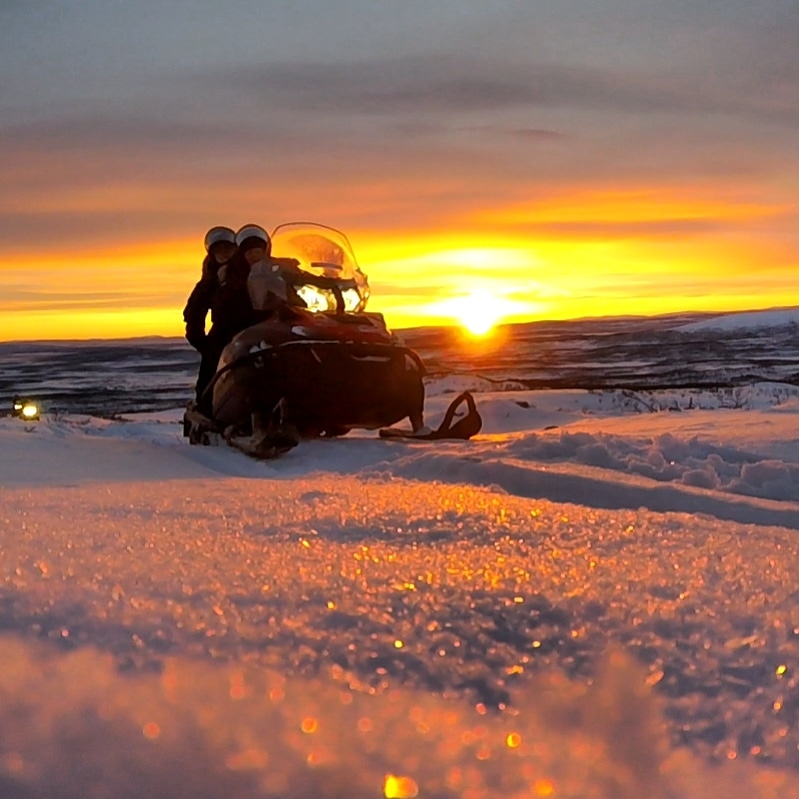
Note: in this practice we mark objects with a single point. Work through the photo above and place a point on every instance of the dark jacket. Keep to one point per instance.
(222, 290)
(231, 308)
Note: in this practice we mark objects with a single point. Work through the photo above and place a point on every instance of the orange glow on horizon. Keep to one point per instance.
(58, 324)
(446, 278)
(637, 205)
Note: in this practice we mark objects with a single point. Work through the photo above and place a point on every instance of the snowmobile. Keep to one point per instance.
(319, 365)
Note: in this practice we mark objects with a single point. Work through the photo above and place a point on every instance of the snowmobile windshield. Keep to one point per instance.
(328, 276)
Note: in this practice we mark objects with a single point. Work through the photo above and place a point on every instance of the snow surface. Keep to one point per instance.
(596, 597)
(747, 320)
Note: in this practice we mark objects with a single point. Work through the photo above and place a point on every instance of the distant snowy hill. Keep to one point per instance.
(771, 317)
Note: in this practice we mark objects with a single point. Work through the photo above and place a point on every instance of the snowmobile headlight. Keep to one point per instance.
(30, 411)
(315, 299)
(352, 299)
(27, 410)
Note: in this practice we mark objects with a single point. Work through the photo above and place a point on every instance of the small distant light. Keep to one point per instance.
(25, 409)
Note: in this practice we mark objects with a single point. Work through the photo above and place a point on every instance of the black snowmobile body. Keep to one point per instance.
(333, 371)
(319, 365)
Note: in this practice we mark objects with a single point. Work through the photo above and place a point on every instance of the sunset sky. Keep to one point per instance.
(556, 159)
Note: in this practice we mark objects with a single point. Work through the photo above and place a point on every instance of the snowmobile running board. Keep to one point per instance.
(463, 429)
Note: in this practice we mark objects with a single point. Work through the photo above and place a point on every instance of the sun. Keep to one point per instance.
(477, 313)
(481, 310)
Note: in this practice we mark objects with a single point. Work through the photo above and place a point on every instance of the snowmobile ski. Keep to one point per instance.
(462, 429)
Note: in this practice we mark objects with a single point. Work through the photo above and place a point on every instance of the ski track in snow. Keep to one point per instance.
(578, 458)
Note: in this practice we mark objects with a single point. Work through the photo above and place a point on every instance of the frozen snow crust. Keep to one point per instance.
(309, 637)
(594, 598)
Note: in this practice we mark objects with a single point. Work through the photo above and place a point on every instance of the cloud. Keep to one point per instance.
(536, 134)
(141, 135)
(24, 298)
(35, 231)
(652, 229)
(420, 141)
(464, 84)
(388, 289)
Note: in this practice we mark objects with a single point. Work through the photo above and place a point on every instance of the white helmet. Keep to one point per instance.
(252, 232)
(217, 234)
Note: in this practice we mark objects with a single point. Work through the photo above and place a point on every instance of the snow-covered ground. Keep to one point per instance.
(747, 320)
(596, 597)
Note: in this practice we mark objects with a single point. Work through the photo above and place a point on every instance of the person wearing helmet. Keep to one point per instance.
(265, 284)
(213, 293)
(253, 243)
(220, 247)
(268, 281)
